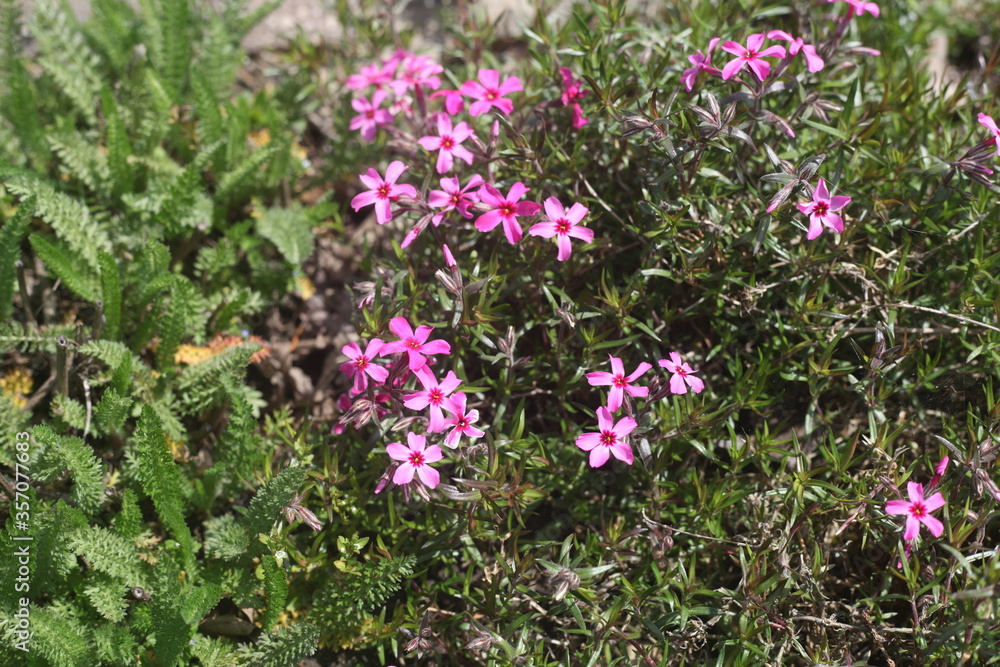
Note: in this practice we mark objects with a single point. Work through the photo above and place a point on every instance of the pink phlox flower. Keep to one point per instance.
(942, 466)
(362, 365)
(370, 116)
(813, 62)
(682, 377)
(402, 105)
(990, 124)
(750, 55)
(621, 384)
(505, 210)
(415, 459)
(295, 511)
(918, 511)
(571, 96)
(453, 197)
(372, 75)
(454, 103)
(563, 224)
(701, 63)
(489, 92)
(414, 343)
(383, 191)
(461, 422)
(821, 211)
(436, 397)
(448, 142)
(610, 440)
(416, 71)
(859, 7)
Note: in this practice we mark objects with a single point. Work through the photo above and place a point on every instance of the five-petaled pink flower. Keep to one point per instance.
(505, 210)
(436, 396)
(414, 343)
(859, 7)
(918, 511)
(417, 71)
(701, 63)
(610, 440)
(461, 422)
(821, 211)
(682, 377)
(370, 116)
(372, 75)
(990, 124)
(620, 383)
(362, 365)
(750, 55)
(571, 96)
(563, 224)
(489, 92)
(383, 191)
(448, 142)
(453, 197)
(813, 62)
(415, 459)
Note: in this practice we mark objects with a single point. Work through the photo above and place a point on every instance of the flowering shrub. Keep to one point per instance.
(602, 390)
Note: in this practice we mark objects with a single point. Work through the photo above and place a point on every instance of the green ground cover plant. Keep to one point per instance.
(672, 339)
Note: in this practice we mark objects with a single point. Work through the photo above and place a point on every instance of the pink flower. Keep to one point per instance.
(919, 510)
(448, 143)
(295, 511)
(449, 259)
(361, 366)
(489, 92)
(415, 459)
(417, 71)
(454, 103)
(990, 124)
(563, 224)
(451, 197)
(620, 383)
(571, 96)
(820, 211)
(436, 396)
(369, 115)
(750, 55)
(942, 466)
(505, 210)
(682, 377)
(813, 61)
(610, 440)
(382, 192)
(859, 7)
(701, 63)
(371, 75)
(461, 422)
(414, 343)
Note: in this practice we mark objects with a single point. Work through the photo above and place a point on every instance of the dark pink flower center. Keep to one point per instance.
(608, 438)
(461, 423)
(370, 114)
(384, 191)
(416, 459)
(447, 143)
(563, 226)
(361, 362)
(435, 396)
(918, 510)
(821, 208)
(619, 381)
(749, 55)
(507, 210)
(491, 95)
(456, 199)
(680, 371)
(413, 344)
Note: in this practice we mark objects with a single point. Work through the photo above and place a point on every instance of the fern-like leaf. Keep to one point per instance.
(80, 279)
(119, 147)
(266, 506)
(290, 230)
(68, 453)
(285, 646)
(111, 294)
(11, 235)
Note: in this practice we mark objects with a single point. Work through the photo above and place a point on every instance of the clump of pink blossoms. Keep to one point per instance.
(413, 343)
(750, 56)
(489, 93)
(620, 383)
(701, 63)
(361, 365)
(448, 143)
(415, 459)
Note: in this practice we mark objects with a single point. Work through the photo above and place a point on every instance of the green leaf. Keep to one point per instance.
(290, 230)
(11, 235)
(111, 294)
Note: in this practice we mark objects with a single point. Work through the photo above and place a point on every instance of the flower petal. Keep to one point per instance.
(897, 507)
(429, 476)
(599, 456)
(588, 441)
(933, 525)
